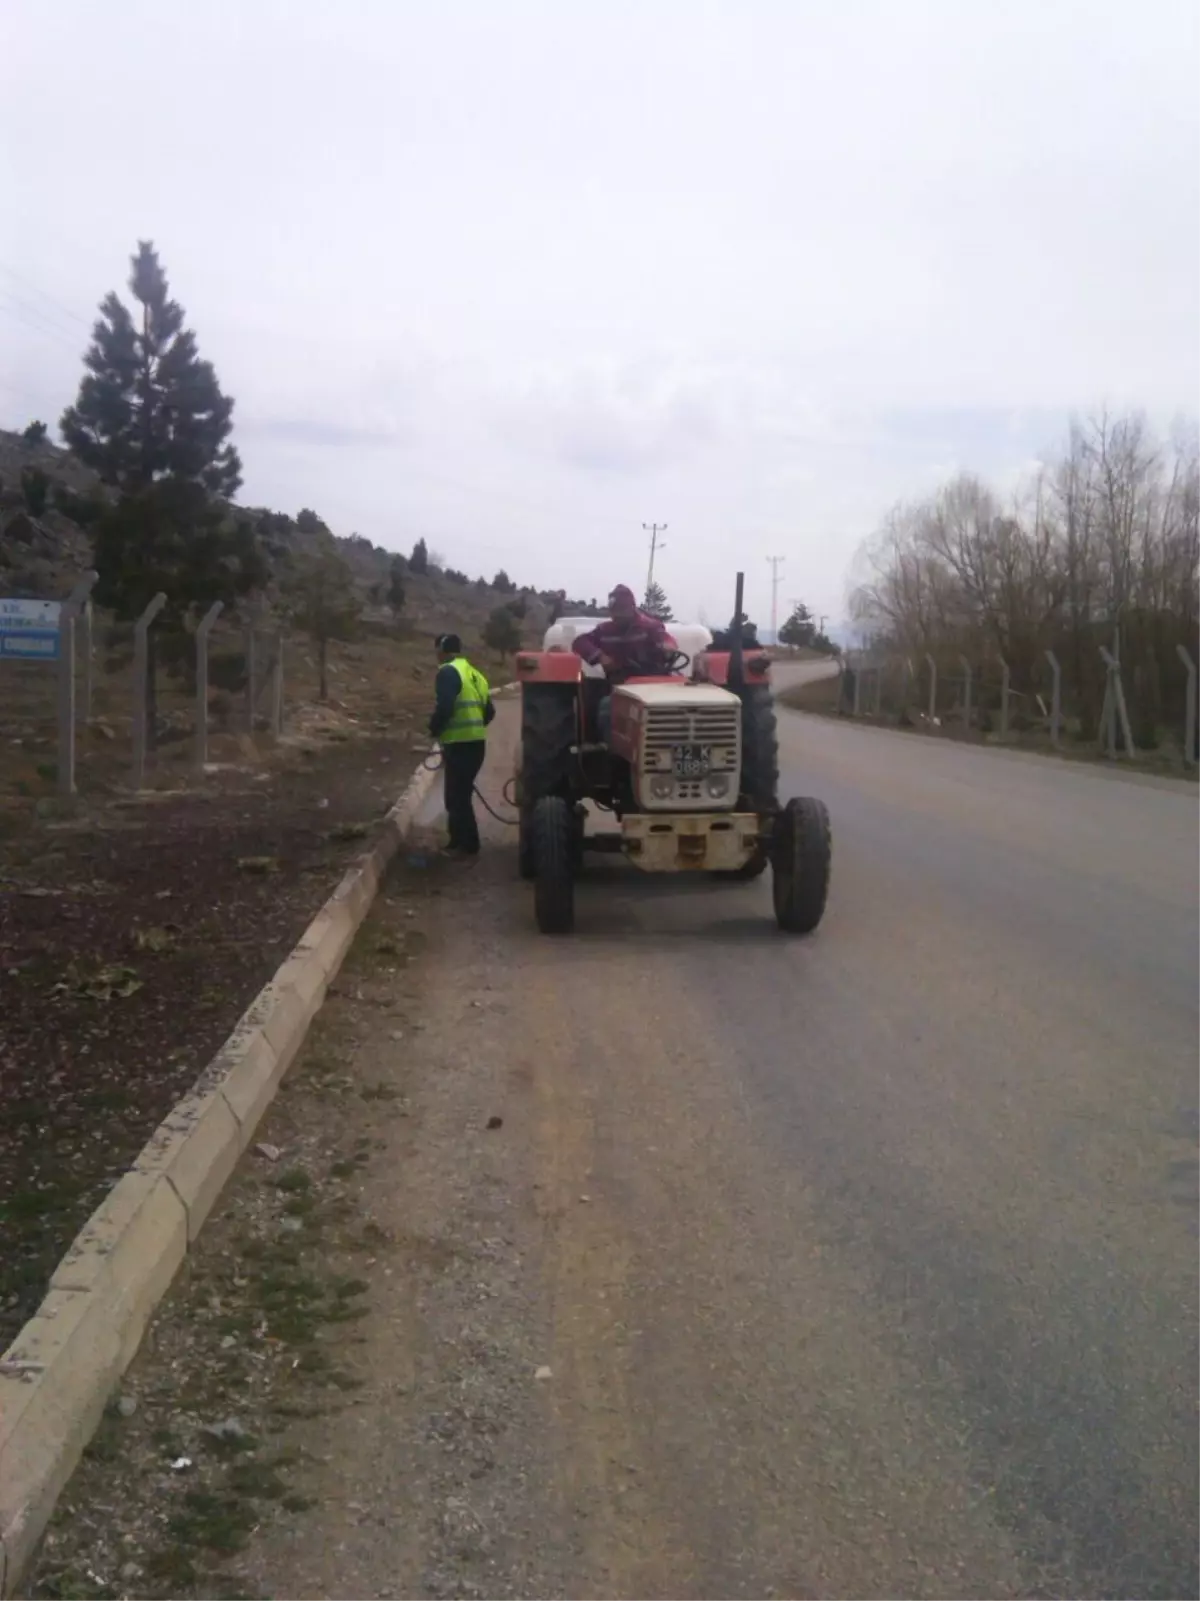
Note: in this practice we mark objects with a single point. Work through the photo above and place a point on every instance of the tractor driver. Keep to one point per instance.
(628, 644)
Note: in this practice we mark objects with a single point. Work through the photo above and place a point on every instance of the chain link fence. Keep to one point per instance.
(1143, 709)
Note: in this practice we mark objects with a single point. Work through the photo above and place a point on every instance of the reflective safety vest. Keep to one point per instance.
(466, 721)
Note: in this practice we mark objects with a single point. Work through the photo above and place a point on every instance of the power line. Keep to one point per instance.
(32, 319)
(775, 562)
(60, 308)
(654, 529)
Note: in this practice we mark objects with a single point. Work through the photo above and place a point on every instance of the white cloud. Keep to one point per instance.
(522, 277)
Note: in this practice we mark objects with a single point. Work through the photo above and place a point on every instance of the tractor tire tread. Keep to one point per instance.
(801, 859)
(547, 733)
(760, 748)
(553, 835)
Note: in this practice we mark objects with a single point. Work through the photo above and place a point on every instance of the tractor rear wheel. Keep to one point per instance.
(548, 730)
(760, 748)
(760, 767)
(525, 862)
(553, 851)
(800, 860)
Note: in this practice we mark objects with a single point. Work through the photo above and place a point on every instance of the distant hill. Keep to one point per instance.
(42, 555)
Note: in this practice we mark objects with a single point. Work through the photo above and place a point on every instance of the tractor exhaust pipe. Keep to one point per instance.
(737, 669)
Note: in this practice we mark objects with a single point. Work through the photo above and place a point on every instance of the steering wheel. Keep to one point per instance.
(677, 661)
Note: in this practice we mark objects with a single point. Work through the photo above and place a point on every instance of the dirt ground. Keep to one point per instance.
(378, 1241)
(135, 930)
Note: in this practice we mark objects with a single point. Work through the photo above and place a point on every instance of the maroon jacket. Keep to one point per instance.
(638, 649)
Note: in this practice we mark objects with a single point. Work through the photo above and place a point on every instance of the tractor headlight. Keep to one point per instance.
(718, 786)
(662, 788)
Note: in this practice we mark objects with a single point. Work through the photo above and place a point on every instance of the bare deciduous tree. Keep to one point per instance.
(1102, 546)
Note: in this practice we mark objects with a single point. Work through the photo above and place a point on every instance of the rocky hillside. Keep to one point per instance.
(45, 545)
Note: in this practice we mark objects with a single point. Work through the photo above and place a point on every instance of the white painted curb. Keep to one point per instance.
(58, 1374)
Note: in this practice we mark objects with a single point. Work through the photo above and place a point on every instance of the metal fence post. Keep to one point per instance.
(66, 700)
(251, 676)
(67, 616)
(203, 629)
(1056, 707)
(141, 656)
(1123, 710)
(966, 666)
(87, 627)
(1189, 729)
(1108, 721)
(932, 688)
(1005, 681)
(1114, 709)
(277, 687)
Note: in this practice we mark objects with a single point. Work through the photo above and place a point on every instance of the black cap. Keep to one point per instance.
(449, 645)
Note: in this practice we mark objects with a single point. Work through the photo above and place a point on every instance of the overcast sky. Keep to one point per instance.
(520, 275)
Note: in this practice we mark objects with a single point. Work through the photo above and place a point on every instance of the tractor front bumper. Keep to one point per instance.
(682, 842)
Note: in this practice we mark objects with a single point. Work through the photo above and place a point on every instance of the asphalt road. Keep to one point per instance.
(859, 1265)
(910, 1208)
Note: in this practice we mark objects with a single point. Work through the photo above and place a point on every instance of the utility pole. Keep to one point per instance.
(654, 529)
(775, 562)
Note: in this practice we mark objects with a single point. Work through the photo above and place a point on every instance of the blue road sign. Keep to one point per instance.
(30, 644)
(29, 629)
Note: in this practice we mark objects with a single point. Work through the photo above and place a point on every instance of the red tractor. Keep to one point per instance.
(689, 776)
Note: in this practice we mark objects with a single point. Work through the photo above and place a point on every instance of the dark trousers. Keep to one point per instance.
(460, 765)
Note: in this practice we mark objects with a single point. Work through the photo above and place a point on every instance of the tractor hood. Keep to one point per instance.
(668, 695)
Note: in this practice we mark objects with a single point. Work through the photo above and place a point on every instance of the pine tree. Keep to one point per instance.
(152, 422)
(800, 629)
(419, 560)
(174, 538)
(149, 408)
(656, 603)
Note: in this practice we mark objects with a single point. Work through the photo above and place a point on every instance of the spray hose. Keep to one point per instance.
(433, 762)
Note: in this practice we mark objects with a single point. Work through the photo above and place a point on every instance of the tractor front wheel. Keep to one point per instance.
(800, 860)
(552, 842)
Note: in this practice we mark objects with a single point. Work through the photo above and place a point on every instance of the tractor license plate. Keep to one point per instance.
(691, 761)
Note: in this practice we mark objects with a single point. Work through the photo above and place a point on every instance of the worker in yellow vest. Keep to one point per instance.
(461, 714)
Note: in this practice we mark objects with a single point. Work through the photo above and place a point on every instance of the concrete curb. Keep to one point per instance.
(57, 1375)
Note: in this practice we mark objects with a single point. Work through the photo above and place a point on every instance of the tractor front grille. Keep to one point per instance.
(718, 727)
(669, 731)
